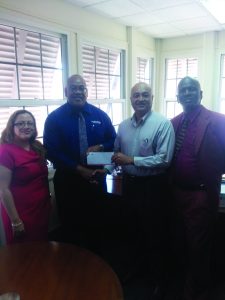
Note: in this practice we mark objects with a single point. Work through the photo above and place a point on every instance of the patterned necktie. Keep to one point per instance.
(83, 139)
(180, 137)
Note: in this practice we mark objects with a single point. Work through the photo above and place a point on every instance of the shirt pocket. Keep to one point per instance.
(145, 147)
(97, 129)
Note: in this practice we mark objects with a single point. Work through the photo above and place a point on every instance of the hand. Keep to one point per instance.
(84, 172)
(18, 229)
(97, 174)
(95, 148)
(89, 174)
(122, 159)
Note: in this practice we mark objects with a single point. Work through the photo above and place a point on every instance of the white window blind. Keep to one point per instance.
(144, 70)
(176, 69)
(102, 72)
(31, 72)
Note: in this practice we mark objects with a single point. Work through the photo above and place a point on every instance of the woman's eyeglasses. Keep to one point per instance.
(22, 124)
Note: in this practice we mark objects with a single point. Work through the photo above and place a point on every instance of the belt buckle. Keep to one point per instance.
(129, 176)
(202, 186)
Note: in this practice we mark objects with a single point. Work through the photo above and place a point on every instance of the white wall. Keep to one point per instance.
(207, 47)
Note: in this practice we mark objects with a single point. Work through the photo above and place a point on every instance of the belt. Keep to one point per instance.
(191, 187)
(133, 176)
(142, 178)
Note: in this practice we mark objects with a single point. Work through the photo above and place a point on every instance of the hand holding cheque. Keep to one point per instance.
(99, 158)
(108, 158)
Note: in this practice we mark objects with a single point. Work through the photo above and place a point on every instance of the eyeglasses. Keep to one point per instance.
(78, 88)
(22, 124)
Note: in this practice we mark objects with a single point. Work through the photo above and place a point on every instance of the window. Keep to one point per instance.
(103, 70)
(31, 73)
(176, 69)
(144, 70)
(222, 84)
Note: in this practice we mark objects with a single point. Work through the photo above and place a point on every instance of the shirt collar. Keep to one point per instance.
(141, 121)
(70, 109)
(192, 115)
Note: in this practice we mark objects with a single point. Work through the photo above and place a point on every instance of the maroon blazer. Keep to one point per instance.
(209, 148)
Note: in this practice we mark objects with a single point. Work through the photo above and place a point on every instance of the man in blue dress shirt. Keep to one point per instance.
(144, 148)
(77, 187)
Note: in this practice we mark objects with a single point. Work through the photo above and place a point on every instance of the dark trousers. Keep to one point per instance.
(77, 204)
(145, 200)
(88, 214)
(194, 222)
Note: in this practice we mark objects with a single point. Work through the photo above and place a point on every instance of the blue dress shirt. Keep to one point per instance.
(61, 133)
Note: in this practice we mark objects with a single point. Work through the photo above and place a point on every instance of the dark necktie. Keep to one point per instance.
(180, 137)
(83, 139)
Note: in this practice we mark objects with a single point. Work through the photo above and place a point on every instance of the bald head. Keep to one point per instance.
(140, 85)
(76, 91)
(141, 98)
(189, 93)
(193, 81)
(76, 78)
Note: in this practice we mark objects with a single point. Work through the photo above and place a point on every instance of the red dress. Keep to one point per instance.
(30, 190)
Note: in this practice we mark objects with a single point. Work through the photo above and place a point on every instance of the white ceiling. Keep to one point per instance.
(157, 18)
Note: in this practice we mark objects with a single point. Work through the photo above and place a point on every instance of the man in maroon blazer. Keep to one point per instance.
(196, 171)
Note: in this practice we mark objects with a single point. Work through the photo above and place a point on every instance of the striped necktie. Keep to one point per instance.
(83, 139)
(180, 136)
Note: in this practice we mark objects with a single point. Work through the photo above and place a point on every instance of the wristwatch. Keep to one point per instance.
(101, 147)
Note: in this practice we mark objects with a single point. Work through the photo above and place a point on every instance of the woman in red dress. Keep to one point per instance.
(24, 191)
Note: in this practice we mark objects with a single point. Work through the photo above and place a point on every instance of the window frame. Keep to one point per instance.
(107, 101)
(29, 103)
(176, 106)
(149, 80)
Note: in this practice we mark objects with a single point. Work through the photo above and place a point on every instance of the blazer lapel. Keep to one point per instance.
(176, 122)
(202, 126)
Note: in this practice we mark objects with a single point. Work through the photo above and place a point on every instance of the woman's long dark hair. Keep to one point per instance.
(7, 136)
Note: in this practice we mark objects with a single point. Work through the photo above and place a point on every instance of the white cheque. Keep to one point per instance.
(99, 158)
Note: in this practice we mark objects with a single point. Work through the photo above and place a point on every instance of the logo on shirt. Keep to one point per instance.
(96, 122)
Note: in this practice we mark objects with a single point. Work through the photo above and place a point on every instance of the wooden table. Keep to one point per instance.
(51, 270)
